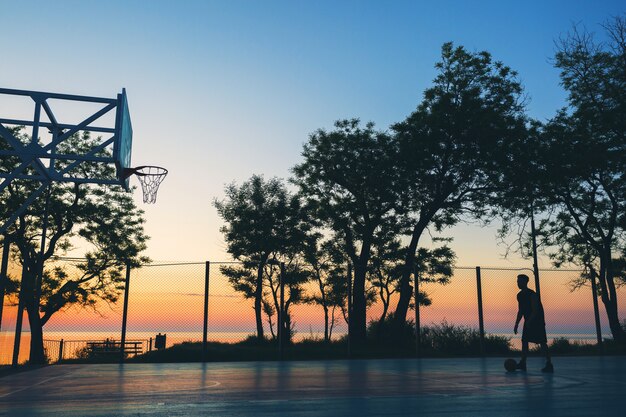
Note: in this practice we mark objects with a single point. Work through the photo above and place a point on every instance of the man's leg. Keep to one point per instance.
(522, 363)
(546, 352)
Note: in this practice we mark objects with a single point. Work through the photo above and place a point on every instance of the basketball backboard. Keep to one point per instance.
(123, 146)
(100, 129)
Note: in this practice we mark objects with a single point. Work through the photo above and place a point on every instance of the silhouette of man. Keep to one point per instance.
(534, 329)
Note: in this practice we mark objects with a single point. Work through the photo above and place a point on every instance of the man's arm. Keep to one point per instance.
(519, 318)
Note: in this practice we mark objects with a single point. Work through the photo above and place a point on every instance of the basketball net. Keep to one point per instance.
(150, 178)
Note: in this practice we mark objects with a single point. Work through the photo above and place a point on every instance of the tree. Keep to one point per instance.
(434, 266)
(590, 189)
(385, 271)
(318, 261)
(263, 221)
(337, 296)
(270, 312)
(431, 265)
(449, 145)
(588, 138)
(105, 218)
(349, 174)
(295, 277)
(523, 194)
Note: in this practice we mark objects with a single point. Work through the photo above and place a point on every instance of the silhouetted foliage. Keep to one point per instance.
(449, 339)
(467, 152)
(386, 332)
(326, 265)
(448, 146)
(588, 186)
(432, 266)
(264, 225)
(349, 175)
(102, 217)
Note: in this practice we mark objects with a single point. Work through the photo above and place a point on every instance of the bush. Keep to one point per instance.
(496, 344)
(383, 333)
(254, 340)
(436, 339)
(561, 345)
(449, 339)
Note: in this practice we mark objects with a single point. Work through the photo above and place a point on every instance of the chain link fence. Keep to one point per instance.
(168, 298)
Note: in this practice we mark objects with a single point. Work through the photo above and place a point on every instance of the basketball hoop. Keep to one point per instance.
(150, 178)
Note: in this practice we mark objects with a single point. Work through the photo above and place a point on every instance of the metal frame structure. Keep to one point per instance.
(37, 160)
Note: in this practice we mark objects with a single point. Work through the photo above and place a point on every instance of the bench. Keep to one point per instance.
(106, 347)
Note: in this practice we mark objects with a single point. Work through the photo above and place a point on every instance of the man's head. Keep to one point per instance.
(522, 281)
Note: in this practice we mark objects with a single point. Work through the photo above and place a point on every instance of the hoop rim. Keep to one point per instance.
(135, 171)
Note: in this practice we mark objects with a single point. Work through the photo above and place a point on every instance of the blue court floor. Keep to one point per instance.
(581, 386)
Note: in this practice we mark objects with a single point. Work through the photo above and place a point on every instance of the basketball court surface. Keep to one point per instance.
(581, 386)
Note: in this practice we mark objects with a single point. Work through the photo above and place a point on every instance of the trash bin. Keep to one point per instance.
(159, 341)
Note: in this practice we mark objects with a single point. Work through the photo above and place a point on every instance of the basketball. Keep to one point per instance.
(510, 365)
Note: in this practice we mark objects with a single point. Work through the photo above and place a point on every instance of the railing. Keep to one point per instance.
(60, 350)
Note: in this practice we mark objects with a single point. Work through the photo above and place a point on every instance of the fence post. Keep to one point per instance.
(60, 351)
(349, 308)
(535, 261)
(125, 315)
(3, 273)
(481, 324)
(596, 312)
(150, 346)
(205, 331)
(418, 330)
(281, 315)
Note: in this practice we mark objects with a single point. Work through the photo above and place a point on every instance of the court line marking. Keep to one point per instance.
(210, 384)
(213, 385)
(476, 387)
(37, 384)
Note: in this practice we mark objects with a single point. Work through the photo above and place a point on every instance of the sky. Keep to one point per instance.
(221, 90)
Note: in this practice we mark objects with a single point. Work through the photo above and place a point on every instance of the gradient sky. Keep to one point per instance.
(219, 91)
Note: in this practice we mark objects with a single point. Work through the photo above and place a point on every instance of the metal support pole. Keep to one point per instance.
(18, 322)
(205, 331)
(281, 315)
(349, 308)
(60, 351)
(596, 311)
(125, 315)
(481, 324)
(3, 273)
(418, 329)
(533, 233)
(42, 249)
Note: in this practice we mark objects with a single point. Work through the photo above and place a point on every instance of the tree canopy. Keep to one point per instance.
(263, 222)
(468, 152)
(450, 143)
(103, 220)
(587, 185)
(348, 175)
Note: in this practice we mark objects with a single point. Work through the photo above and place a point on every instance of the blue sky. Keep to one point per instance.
(221, 90)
